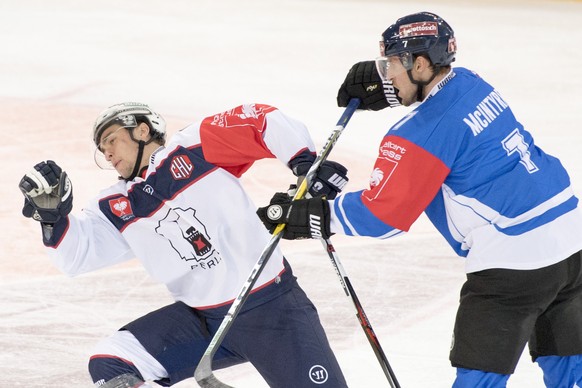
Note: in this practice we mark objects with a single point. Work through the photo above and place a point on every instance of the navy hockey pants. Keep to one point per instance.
(282, 338)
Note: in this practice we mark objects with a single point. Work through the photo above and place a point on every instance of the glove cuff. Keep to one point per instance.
(391, 94)
(319, 218)
(301, 163)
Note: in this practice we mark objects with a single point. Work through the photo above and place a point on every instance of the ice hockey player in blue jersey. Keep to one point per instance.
(461, 157)
(180, 209)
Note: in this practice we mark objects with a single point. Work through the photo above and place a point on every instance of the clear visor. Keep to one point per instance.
(382, 66)
(100, 150)
(100, 160)
(391, 66)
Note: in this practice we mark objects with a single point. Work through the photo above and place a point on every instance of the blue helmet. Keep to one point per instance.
(420, 33)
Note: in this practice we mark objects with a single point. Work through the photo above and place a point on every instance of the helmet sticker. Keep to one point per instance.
(452, 48)
(418, 29)
(128, 120)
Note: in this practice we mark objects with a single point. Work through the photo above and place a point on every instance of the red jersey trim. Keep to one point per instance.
(232, 300)
(110, 356)
(405, 180)
(233, 140)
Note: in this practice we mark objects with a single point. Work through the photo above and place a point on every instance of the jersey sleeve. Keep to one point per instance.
(86, 242)
(405, 179)
(235, 139)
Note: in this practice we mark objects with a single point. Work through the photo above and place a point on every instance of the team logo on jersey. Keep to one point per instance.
(241, 116)
(189, 238)
(121, 207)
(376, 177)
(390, 155)
(181, 167)
(318, 374)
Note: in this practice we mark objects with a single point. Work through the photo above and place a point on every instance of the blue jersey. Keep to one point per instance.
(463, 159)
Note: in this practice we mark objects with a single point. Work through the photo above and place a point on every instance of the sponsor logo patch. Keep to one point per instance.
(452, 46)
(418, 29)
(391, 150)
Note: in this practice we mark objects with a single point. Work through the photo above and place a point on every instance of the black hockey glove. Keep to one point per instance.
(364, 82)
(330, 179)
(309, 218)
(48, 193)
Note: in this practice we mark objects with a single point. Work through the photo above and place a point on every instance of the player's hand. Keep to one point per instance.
(48, 193)
(304, 218)
(364, 82)
(330, 178)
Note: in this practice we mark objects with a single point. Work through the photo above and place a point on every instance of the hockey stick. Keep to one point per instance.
(360, 313)
(203, 373)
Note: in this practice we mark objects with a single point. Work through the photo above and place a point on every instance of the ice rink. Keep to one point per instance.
(63, 61)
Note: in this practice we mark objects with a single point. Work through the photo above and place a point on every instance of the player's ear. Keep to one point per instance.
(420, 63)
(142, 132)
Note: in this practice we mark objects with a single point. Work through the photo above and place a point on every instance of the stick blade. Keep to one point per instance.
(204, 376)
(211, 382)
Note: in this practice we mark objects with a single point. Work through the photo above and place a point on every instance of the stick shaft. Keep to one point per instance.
(361, 314)
(203, 373)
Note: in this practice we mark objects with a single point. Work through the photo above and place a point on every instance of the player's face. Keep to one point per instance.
(392, 69)
(119, 149)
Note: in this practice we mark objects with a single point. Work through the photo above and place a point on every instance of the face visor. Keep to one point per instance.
(101, 143)
(390, 66)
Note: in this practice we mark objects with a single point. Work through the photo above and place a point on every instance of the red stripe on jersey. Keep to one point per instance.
(233, 139)
(405, 180)
(252, 292)
(95, 356)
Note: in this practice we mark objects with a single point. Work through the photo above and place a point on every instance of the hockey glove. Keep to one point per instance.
(330, 179)
(308, 218)
(364, 82)
(48, 193)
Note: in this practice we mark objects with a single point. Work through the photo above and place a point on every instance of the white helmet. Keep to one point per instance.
(129, 115)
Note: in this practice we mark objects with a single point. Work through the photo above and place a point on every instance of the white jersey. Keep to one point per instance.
(188, 219)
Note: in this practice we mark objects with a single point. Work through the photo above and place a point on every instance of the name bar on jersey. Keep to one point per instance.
(485, 112)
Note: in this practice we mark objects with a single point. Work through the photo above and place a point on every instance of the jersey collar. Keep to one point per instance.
(451, 74)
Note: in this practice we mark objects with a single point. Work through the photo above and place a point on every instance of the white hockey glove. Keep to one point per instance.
(48, 193)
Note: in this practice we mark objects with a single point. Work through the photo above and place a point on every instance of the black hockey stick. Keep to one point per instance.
(203, 373)
(360, 313)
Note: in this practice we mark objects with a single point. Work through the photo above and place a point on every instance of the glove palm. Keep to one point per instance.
(48, 193)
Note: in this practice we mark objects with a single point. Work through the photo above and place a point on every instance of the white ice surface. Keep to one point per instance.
(63, 61)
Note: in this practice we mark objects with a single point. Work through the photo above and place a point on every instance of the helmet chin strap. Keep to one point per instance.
(141, 145)
(137, 165)
(421, 84)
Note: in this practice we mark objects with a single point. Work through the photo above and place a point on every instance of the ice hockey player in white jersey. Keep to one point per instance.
(461, 157)
(182, 211)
